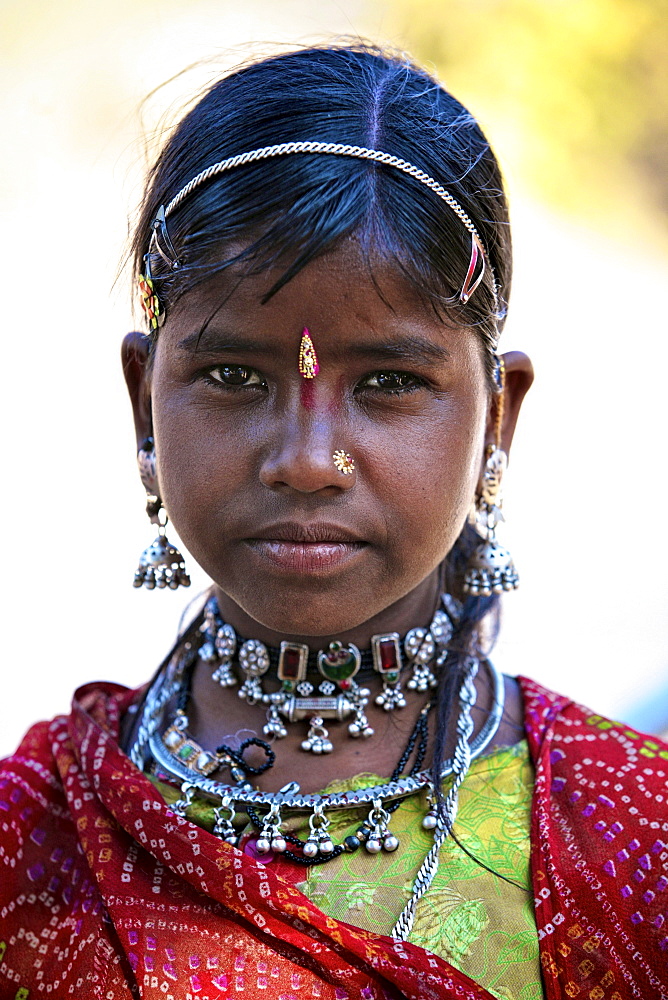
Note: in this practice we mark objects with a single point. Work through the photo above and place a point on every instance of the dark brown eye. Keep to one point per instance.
(235, 375)
(392, 381)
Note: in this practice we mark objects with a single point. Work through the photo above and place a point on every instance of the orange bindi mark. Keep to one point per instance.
(308, 359)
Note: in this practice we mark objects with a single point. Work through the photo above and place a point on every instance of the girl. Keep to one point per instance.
(327, 790)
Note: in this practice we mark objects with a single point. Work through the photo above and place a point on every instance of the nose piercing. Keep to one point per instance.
(344, 462)
(308, 359)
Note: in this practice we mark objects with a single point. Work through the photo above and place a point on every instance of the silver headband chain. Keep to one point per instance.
(478, 261)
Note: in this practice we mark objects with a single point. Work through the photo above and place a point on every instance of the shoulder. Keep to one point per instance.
(599, 838)
(38, 779)
(560, 728)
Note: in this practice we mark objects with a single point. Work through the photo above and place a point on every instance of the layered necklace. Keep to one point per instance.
(315, 686)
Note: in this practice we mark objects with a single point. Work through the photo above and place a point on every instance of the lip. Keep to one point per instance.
(306, 548)
(307, 534)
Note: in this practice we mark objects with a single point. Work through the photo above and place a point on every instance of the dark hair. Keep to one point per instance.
(291, 209)
(297, 207)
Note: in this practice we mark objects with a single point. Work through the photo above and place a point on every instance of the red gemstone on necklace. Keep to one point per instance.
(389, 661)
(291, 660)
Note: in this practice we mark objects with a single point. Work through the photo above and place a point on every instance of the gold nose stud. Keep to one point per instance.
(344, 462)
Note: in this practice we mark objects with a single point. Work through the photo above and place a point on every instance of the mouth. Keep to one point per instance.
(306, 548)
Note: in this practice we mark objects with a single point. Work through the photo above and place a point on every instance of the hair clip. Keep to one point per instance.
(470, 285)
(150, 302)
(166, 250)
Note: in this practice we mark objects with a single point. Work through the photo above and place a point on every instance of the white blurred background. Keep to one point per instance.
(588, 478)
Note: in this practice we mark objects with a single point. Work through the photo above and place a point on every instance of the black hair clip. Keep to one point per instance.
(161, 242)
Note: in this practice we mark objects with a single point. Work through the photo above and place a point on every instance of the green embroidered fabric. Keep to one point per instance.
(479, 922)
(478, 914)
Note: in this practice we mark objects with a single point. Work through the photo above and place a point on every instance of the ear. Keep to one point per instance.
(136, 369)
(517, 382)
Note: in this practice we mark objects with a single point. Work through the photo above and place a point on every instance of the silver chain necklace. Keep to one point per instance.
(375, 831)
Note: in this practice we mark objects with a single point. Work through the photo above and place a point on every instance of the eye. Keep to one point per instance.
(235, 376)
(392, 382)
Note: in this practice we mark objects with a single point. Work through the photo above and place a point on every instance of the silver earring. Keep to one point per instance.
(490, 569)
(160, 564)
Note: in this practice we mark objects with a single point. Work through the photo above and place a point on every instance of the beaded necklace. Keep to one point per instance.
(374, 833)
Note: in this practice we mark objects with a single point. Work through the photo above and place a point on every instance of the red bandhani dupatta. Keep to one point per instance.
(599, 852)
(106, 893)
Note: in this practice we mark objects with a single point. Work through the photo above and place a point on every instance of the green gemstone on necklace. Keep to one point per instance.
(185, 752)
(339, 663)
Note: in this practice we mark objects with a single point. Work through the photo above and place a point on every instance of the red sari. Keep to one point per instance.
(105, 893)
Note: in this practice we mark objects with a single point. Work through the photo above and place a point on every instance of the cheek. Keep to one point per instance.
(429, 476)
(201, 463)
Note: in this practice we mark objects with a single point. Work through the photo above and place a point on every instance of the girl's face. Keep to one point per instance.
(245, 444)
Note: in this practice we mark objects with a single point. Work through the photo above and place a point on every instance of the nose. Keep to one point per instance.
(304, 456)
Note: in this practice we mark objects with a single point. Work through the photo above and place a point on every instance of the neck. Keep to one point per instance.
(413, 609)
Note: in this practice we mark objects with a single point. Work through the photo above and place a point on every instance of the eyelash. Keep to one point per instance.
(414, 381)
(218, 382)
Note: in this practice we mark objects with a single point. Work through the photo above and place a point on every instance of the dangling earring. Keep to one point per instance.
(160, 564)
(490, 569)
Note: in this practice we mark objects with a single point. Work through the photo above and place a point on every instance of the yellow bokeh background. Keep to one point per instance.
(572, 94)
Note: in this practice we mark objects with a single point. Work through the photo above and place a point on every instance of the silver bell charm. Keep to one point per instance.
(317, 739)
(490, 571)
(319, 841)
(271, 838)
(161, 565)
(223, 826)
(380, 837)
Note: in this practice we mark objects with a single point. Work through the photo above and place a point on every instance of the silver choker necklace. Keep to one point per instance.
(338, 696)
(382, 799)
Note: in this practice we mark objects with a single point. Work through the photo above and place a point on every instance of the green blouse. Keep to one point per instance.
(478, 913)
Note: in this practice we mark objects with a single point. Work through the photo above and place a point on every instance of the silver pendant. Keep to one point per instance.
(223, 826)
(273, 726)
(380, 837)
(225, 645)
(420, 648)
(319, 841)
(360, 724)
(317, 739)
(254, 663)
(387, 662)
(271, 838)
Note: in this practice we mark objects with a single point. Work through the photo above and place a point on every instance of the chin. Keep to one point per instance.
(313, 621)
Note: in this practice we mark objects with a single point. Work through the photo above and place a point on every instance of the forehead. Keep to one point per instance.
(343, 297)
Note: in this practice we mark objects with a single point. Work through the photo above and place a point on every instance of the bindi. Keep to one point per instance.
(308, 359)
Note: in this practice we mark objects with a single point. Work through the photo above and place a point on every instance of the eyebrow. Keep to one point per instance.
(213, 342)
(412, 349)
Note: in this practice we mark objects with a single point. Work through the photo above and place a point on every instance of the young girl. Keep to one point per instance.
(327, 790)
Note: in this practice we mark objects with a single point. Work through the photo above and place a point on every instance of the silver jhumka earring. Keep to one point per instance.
(490, 569)
(160, 564)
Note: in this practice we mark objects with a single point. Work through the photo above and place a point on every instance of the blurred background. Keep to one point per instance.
(573, 95)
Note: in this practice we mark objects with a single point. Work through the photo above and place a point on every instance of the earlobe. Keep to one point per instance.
(518, 378)
(135, 352)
